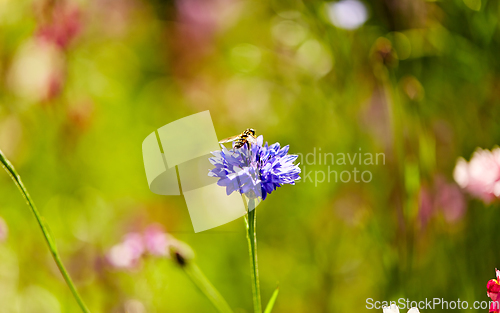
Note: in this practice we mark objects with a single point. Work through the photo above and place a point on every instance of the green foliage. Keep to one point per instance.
(418, 82)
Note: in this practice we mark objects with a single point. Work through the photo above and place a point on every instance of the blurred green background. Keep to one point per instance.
(84, 82)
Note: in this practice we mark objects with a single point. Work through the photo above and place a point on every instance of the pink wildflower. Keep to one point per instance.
(127, 254)
(481, 176)
(63, 24)
(156, 240)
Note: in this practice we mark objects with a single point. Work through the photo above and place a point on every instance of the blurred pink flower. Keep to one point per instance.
(127, 254)
(135, 243)
(156, 240)
(450, 200)
(493, 291)
(445, 197)
(202, 14)
(4, 230)
(426, 205)
(196, 27)
(481, 176)
(62, 24)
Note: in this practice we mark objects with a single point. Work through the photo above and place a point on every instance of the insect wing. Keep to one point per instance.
(252, 140)
(229, 139)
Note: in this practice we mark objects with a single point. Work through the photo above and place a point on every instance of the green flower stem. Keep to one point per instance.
(204, 285)
(251, 221)
(44, 227)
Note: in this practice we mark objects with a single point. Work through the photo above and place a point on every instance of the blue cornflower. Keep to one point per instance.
(254, 171)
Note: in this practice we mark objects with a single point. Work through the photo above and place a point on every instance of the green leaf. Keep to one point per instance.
(271, 302)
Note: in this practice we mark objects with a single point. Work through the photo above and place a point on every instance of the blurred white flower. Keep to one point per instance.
(37, 72)
(347, 14)
(394, 309)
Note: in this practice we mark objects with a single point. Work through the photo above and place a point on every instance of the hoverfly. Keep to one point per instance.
(247, 136)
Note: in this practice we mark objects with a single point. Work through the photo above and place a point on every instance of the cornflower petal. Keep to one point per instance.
(255, 171)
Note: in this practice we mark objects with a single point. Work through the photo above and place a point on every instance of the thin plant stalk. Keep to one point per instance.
(45, 229)
(204, 285)
(251, 222)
